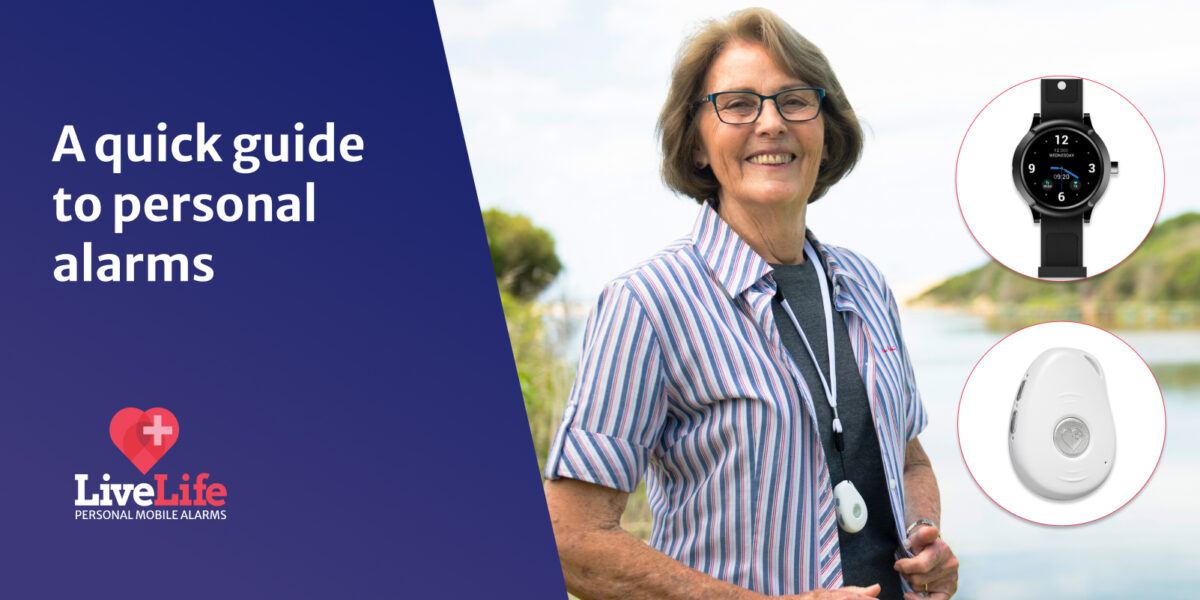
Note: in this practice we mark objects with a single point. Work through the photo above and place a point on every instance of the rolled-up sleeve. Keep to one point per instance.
(616, 409)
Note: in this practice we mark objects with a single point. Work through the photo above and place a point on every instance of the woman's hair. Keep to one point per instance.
(797, 56)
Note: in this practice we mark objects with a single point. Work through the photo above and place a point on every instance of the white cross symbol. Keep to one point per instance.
(157, 430)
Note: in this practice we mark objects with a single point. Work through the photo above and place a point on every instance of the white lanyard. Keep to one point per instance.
(830, 383)
(848, 502)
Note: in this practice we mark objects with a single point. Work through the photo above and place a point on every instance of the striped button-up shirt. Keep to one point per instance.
(683, 376)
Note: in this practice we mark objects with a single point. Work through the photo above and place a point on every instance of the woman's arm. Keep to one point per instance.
(601, 561)
(934, 568)
(921, 497)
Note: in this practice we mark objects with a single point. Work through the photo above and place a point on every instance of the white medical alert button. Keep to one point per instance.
(1062, 439)
(1071, 436)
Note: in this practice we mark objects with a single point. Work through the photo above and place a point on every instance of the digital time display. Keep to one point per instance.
(1061, 168)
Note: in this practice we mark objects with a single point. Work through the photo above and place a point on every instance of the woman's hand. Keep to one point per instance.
(933, 571)
(846, 593)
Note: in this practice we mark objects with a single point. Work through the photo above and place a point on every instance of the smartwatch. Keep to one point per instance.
(1061, 168)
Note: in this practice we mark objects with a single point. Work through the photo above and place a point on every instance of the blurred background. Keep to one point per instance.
(558, 102)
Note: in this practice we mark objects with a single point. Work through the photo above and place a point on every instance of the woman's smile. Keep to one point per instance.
(772, 159)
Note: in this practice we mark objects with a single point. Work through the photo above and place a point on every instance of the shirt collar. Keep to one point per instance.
(737, 266)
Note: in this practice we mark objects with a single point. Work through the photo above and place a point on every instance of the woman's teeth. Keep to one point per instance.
(772, 159)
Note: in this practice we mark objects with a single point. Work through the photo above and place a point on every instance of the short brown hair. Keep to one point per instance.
(797, 56)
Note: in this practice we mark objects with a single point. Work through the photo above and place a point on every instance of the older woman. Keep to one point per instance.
(757, 375)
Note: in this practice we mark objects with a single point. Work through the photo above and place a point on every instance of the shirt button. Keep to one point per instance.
(892, 483)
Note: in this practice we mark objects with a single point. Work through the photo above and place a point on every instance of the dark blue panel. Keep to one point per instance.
(349, 380)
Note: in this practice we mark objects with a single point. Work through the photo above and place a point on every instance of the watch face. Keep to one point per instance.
(1061, 168)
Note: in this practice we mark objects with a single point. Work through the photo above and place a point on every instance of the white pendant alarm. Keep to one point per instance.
(850, 507)
(1061, 436)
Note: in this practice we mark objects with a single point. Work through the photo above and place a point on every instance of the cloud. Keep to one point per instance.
(483, 19)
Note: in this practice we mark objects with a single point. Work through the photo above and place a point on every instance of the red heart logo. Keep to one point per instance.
(143, 437)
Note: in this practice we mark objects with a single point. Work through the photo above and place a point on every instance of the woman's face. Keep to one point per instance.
(770, 161)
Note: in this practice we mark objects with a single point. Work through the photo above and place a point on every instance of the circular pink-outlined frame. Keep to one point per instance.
(958, 428)
(958, 198)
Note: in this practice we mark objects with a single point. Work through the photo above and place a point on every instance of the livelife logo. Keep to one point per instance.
(144, 437)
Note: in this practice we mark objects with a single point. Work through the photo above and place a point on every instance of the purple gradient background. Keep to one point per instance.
(348, 380)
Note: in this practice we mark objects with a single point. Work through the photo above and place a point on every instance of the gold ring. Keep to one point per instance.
(927, 588)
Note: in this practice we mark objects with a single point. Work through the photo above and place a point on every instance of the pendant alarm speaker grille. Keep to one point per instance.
(1061, 437)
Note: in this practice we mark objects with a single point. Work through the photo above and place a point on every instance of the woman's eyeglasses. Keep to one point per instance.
(742, 108)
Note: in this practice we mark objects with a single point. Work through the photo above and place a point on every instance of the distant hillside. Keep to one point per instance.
(1159, 285)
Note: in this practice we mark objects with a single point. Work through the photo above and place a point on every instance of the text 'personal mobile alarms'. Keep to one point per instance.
(1061, 436)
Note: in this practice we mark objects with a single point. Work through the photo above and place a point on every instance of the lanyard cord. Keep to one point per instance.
(830, 383)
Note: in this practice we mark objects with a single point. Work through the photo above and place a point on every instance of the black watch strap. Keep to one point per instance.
(1064, 103)
(1062, 247)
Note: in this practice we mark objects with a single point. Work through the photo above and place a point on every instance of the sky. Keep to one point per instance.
(558, 102)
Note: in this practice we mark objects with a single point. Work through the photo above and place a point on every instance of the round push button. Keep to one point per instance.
(1071, 436)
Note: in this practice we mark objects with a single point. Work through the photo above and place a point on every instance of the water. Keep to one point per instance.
(1148, 549)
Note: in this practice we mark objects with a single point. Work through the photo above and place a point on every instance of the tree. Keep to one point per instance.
(525, 263)
(522, 253)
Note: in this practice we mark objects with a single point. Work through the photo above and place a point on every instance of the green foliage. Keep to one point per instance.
(1164, 271)
(525, 263)
(522, 253)
(544, 375)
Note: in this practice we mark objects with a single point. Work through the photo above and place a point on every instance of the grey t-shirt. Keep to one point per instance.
(867, 556)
